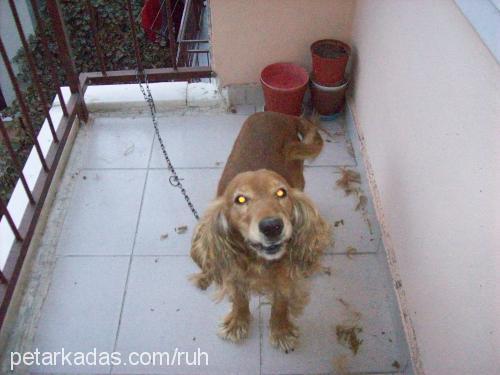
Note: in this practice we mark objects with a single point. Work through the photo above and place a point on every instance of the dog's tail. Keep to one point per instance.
(311, 144)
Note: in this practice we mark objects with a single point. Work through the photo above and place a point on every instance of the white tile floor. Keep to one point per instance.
(120, 279)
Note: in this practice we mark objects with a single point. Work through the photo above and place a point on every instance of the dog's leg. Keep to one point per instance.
(235, 325)
(284, 335)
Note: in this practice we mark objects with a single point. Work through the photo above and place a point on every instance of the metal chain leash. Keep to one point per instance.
(174, 179)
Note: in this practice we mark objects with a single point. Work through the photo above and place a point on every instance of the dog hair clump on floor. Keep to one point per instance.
(347, 332)
(349, 181)
(348, 336)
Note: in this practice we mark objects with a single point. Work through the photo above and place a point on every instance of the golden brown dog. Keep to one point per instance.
(262, 234)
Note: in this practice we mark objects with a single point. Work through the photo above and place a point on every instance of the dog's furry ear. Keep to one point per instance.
(210, 246)
(311, 234)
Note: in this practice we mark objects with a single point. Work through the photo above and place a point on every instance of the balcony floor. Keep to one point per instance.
(117, 276)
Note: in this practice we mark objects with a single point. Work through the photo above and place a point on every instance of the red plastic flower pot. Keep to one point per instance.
(284, 86)
(328, 100)
(329, 60)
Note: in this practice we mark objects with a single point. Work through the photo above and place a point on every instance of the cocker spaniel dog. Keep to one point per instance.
(262, 234)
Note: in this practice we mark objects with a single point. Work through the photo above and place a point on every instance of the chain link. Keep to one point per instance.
(174, 179)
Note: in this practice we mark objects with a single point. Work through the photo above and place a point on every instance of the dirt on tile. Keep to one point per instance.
(338, 223)
(368, 222)
(362, 201)
(351, 251)
(181, 229)
(129, 150)
(396, 365)
(163, 237)
(344, 303)
(326, 131)
(350, 150)
(327, 271)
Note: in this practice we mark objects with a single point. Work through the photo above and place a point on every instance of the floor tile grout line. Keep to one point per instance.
(131, 256)
(350, 373)
(93, 256)
(184, 255)
(261, 331)
(208, 167)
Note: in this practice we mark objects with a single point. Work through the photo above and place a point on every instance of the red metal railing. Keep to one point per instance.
(177, 67)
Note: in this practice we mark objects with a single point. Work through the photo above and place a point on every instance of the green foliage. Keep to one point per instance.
(116, 44)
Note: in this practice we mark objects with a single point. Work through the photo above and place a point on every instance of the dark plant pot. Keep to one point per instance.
(329, 60)
(328, 100)
(284, 86)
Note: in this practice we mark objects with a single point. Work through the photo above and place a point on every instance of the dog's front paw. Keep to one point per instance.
(285, 337)
(234, 327)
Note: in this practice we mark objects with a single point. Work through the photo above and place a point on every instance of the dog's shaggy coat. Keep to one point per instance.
(263, 178)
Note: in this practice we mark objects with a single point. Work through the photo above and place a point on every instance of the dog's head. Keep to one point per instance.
(268, 215)
(260, 206)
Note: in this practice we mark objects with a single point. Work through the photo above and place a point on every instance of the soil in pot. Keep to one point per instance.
(329, 60)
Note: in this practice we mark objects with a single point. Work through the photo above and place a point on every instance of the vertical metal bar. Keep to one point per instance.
(181, 36)
(34, 72)
(6, 213)
(3, 279)
(48, 56)
(22, 104)
(65, 56)
(15, 161)
(171, 35)
(95, 36)
(134, 37)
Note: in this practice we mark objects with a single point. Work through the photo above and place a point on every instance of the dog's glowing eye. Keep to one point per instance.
(281, 193)
(240, 199)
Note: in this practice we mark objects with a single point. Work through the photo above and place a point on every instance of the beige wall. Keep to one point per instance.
(248, 35)
(427, 101)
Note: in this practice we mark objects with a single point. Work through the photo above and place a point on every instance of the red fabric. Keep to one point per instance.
(150, 11)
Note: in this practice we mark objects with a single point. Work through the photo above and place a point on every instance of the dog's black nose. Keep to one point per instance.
(271, 226)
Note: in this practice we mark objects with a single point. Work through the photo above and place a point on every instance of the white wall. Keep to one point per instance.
(427, 101)
(11, 40)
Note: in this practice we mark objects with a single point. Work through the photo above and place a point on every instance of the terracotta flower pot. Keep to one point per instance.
(329, 60)
(284, 86)
(328, 100)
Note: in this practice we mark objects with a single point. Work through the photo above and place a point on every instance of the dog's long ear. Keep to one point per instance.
(211, 247)
(311, 234)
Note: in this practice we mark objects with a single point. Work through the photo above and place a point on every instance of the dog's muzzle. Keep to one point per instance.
(266, 250)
